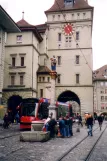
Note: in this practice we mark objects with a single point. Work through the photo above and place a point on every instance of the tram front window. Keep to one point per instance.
(28, 109)
(43, 110)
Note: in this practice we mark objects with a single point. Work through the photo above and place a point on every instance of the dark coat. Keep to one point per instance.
(89, 121)
(100, 119)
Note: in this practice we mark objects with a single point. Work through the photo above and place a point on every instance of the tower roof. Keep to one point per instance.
(60, 6)
(25, 26)
(23, 23)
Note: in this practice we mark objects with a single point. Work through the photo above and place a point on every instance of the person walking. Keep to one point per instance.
(79, 118)
(89, 123)
(67, 123)
(100, 121)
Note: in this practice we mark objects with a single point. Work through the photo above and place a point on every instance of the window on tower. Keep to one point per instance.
(77, 78)
(77, 59)
(77, 35)
(59, 60)
(58, 78)
(59, 36)
(41, 92)
(68, 40)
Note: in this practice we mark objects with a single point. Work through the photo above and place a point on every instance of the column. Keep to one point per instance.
(52, 107)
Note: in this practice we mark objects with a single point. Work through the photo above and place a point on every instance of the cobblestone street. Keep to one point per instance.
(11, 149)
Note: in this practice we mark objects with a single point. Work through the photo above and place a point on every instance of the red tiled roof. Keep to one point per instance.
(25, 26)
(43, 70)
(59, 6)
(23, 23)
(100, 74)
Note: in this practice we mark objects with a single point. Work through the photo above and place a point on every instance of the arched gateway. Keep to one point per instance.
(12, 104)
(69, 96)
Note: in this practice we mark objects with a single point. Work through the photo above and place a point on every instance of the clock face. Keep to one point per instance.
(68, 29)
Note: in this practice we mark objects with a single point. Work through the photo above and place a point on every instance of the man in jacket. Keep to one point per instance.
(89, 123)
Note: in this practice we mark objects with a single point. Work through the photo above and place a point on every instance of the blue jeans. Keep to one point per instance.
(67, 130)
(90, 130)
(47, 126)
(62, 131)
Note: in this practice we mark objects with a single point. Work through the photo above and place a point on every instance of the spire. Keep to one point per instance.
(23, 15)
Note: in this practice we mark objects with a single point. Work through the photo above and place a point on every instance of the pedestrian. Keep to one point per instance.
(70, 126)
(67, 123)
(46, 124)
(17, 117)
(100, 121)
(6, 120)
(62, 127)
(52, 127)
(89, 123)
(79, 118)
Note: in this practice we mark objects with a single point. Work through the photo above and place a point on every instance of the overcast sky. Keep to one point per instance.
(34, 14)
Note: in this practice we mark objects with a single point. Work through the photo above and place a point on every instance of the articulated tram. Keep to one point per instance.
(34, 109)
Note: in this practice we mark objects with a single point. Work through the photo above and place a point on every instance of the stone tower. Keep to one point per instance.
(69, 38)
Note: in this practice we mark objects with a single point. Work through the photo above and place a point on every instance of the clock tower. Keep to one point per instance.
(69, 38)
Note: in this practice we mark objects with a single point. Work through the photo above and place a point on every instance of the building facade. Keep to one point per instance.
(73, 52)
(7, 25)
(22, 55)
(29, 54)
(100, 89)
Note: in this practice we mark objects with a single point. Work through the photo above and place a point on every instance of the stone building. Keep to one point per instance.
(100, 89)
(73, 52)
(22, 53)
(7, 25)
(29, 54)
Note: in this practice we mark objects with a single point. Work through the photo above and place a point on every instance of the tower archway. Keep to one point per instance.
(69, 96)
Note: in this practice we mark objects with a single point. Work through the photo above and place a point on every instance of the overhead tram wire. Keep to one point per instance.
(73, 36)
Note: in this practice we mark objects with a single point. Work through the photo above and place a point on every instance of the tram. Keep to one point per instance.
(34, 109)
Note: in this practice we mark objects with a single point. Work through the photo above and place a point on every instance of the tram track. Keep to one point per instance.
(8, 136)
(75, 146)
(93, 148)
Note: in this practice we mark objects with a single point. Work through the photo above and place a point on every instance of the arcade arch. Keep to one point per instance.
(71, 97)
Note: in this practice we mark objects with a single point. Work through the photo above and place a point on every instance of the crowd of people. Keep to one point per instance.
(64, 125)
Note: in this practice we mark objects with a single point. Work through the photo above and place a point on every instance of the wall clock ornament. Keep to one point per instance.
(68, 29)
